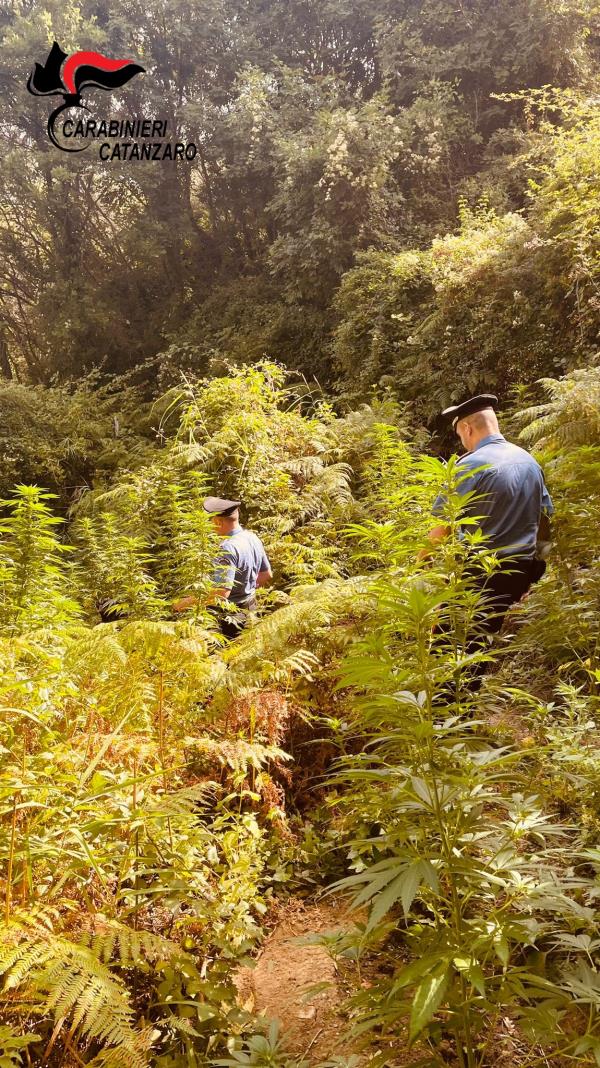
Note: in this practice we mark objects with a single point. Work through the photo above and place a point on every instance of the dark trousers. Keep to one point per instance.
(503, 589)
(232, 618)
(499, 592)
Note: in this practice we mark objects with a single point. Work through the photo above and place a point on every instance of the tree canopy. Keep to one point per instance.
(329, 137)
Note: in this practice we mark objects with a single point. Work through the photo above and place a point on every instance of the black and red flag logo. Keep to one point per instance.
(81, 70)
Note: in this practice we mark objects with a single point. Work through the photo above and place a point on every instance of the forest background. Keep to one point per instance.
(393, 205)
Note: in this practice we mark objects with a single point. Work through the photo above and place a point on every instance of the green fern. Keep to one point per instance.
(69, 982)
(570, 417)
(291, 641)
(110, 940)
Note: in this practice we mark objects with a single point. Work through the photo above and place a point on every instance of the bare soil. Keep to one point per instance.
(300, 985)
(280, 985)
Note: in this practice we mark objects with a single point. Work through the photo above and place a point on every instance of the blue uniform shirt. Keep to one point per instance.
(511, 495)
(241, 556)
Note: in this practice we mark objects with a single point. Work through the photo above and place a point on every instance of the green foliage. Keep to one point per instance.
(563, 620)
(122, 794)
(111, 804)
(508, 298)
(321, 131)
(12, 1046)
(569, 418)
(31, 576)
(389, 196)
(147, 770)
(263, 1051)
(61, 439)
(77, 985)
(148, 538)
(248, 435)
(453, 839)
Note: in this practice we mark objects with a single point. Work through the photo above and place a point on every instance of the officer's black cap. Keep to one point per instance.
(219, 506)
(469, 407)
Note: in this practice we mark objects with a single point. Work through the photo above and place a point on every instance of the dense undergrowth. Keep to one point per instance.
(160, 787)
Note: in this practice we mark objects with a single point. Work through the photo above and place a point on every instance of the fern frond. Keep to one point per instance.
(82, 987)
(73, 984)
(109, 939)
(572, 414)
(116, 1057)
(17, 962)
(180, 802)
(97, 651)
(289, 641)
(147, 635)
(239, 754)
(190, 452)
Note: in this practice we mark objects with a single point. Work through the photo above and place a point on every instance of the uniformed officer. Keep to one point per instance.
(510, 502)
(240, 567)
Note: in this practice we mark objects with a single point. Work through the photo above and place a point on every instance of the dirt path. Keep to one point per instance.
(280, 984)
(313, 1023)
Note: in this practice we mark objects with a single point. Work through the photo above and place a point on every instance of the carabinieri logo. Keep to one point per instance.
(81, 70)
(86, 70)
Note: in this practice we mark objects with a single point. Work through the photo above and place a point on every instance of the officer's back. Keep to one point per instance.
(510, 494)
(241, 559)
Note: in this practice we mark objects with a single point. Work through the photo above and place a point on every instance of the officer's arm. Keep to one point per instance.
(547, 505)
(190, 600)
(265, 574)
(466, 483)
(435, 536)
(223, 577)
(218, 594)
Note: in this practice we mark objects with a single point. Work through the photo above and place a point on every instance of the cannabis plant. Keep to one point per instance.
(453, 850)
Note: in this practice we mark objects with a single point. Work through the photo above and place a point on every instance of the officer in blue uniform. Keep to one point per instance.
(240, 567)
(510, 505)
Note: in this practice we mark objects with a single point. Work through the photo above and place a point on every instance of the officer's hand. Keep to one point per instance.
(184, 602)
